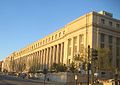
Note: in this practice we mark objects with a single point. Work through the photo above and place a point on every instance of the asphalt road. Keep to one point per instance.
(10, 80)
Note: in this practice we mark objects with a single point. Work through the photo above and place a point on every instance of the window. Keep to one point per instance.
(81, 38)
(102, 45)
(110, 39)
(63, 32)
(117, 25)
(118, 41)
(117, 51)
(74, 45)
(102, 37)
(60, 34)
(117, 62)
(69, 47)
(110, 23)
(117, 46)
(111, 49)
(56, 36)
(43, 41)
(103, 21)
(40, 43)
(52, 37)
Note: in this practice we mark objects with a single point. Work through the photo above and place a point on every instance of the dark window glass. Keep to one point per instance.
(117, 51)
(117, 25)
(110, 39)
(102, 37)
(102, 45)
(103, 21)
(110, 23)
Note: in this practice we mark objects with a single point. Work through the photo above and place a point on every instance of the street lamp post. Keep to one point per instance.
(45, 73)
(116, 77)
(75, 79)
(88, 65)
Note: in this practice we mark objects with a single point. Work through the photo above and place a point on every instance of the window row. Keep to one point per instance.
(110, 39)
(73, 44)
(110, 23)
(42, 42)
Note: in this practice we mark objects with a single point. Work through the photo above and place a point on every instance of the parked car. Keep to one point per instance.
(23, 75)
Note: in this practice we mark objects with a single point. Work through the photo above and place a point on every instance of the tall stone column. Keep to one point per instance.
(39, 58)
(78, 43)
(72, 49)
(57, 53)
(61, 53)
(53, 54)
(44, 61)
(47, 57)
(50, 57)
(114, 57)
(42, 55)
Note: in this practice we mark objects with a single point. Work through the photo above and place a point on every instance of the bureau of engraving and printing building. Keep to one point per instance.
(97, 29)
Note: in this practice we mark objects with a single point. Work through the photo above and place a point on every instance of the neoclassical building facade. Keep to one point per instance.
(97, 29)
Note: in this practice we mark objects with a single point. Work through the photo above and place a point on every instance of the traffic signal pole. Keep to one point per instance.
(88, 64)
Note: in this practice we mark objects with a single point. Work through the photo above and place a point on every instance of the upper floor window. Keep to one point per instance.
(46, 40)
(56, 36)
(110, 23)
(52, 37)
(49, 38)
(102, 37)
(63, 32)
(43, 41)
(103, 21)
(117, 25)
(60, 34)
(102, 45)
(110, 39)
(118, 41)
(69, 47)
(75, 40)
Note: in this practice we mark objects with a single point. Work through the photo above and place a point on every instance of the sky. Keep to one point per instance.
(23, 22)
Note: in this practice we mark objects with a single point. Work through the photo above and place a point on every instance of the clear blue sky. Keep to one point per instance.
(25, 21)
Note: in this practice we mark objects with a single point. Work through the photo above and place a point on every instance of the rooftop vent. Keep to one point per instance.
(106, 13)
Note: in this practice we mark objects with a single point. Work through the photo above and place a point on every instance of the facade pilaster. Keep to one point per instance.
(53, 54)
(114, 52)
(57, 53)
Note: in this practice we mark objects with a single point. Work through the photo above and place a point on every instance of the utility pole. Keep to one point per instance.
(88, 65)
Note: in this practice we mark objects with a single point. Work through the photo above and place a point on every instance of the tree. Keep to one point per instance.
(80, 59)
(58, 67)
(72, 67)
(104, 59)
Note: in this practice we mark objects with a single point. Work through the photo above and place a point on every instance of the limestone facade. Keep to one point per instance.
(94, 29)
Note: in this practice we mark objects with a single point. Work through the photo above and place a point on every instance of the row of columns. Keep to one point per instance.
(79, 41)
(44, 58)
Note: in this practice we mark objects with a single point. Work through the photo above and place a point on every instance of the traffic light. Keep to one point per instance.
(94, 54)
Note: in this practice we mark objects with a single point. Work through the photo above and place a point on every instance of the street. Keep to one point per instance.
(12, 80)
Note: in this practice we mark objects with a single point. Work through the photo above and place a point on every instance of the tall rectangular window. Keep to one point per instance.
(103, 21)
(102, 45)
(117, 25)
(118, 41)
(110, 23)
(117, 46)
(74, 45)
(102, 37)
(117, 51)
(69, 47)
(110, 39)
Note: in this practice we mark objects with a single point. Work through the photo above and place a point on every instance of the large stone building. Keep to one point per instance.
(1, 65)
(97, 29)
